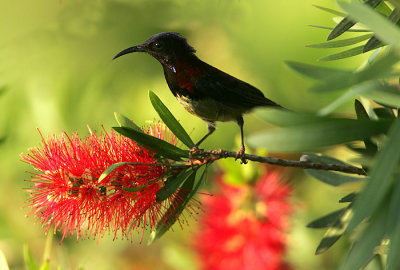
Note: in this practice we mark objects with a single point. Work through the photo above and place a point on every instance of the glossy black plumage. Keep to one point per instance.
(202, 89)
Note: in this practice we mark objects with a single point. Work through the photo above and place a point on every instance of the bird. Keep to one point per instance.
(200, 88)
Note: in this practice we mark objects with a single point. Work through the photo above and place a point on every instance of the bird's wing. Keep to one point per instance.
(229, 90)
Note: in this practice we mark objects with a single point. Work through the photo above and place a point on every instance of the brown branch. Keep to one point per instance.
(304, 162)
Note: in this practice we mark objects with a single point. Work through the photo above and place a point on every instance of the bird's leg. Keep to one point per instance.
(195, 148)
(241, 152)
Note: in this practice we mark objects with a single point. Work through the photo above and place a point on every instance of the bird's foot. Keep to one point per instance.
(193, 151)
(240, 155)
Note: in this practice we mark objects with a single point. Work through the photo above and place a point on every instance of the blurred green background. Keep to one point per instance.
(57, 75)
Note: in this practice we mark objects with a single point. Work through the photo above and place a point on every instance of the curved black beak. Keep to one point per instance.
(138, 48)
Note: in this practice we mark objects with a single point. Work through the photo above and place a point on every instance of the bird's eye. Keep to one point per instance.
(158, 45)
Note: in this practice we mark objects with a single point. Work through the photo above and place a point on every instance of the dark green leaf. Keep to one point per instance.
(347, 23)
(187, 191)
(172, 184)
(393, 259)
(317, 72)
(372, 44)
(124, 121)
(386, 31)
(160, 147)
(380, 178)
(327, 220)
(363, 249)
(318, 158)
(335, 12)
(167, 117)
(333, 178)
(30, 263)
(363, 115)
(344, 54)
(384, 113)
(334, 232)
(348, 198)
(311, 136)
(331, 28)
(340, 43)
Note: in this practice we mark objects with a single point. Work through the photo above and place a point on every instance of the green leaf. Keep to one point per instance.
(187, 191)
(29, 260)
(318, 158)
(287, 118)
(363, 115)
(348, 198)
(340, 43)
(384, 94)
(160, 147)
(335, 12)
(380, 25)
(172, 184)
(167, 117)
(333, 178)
(372, 44)
(381, 68)
(124, 121)
(380, 178)
(331, 28)
(327, 220)
(347, 23)
(317, 72)
(393, 259)
(384, 113)
(344, 54)
(310, 136)
(335, 231)
(362, 250)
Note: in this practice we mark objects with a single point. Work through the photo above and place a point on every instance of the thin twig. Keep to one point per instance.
(305, 164)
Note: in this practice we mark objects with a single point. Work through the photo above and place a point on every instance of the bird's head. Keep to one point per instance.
(164, 47)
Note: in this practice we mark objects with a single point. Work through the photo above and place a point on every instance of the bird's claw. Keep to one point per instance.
(191, 152)
(240, 155)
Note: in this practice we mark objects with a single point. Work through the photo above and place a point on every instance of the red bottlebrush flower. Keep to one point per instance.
(244, 227)
(66, 192)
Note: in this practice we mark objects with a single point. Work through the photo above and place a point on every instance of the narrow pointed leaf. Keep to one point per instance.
(393, 260)
(160, 147)
(387, 95)
(362, 114)
(331, 28)
(347, 23)
(340, 43)
(363, 249)
(171, 122)
(317, 72)
(385, 30)
(348, 198)
(327, 220)
(380, 178)
(187, 191)
(372, 44)
(333, 178)
(124, 121)
(315, 135)
(172, 184)
(335, 12)
(286, 118)
(333, 234)
(344, 54)
(30, 263)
